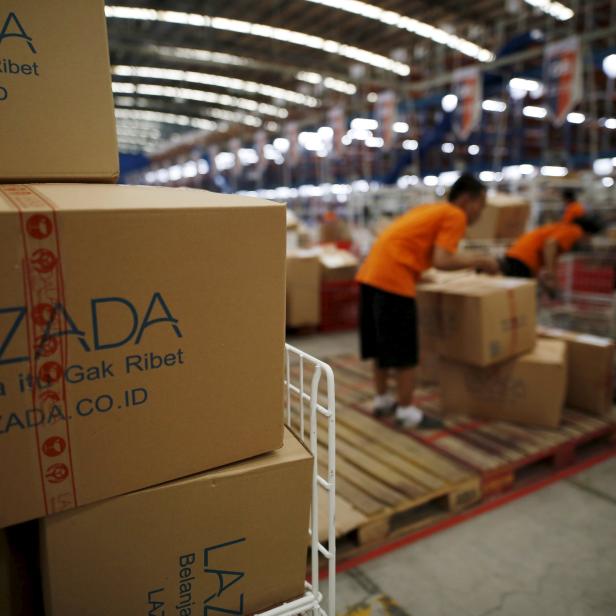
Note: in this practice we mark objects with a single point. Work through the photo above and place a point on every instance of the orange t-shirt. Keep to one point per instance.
(574, 210)
(405, 248)
(529, 247)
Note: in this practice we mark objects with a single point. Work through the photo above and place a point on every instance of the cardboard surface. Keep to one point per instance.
(337, 265)
(56, 105)
(479, 320)
(303, 288)
(159, 336)
(504, 217)
(529, 389)
(232, 540)
(335, 231)
(590, 383)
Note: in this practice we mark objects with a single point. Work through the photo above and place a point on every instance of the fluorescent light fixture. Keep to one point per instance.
(219, 81)
(199, 55)
(603, 166)
(346, 140)
(575, 117)
(447, 147)
(487, 176)
(364, 124)
(530, 111)
(400, 127)
(374, 142)
(310, 141)
(360, 186)
(331, 83)
(255, 29)
(610, 123)
(372, 97)
(359, 134)
(224, 161)
(554, 171)
(554, 9)
(326, 133)
(430, 180)
(410, 144)
(203, 166)
(414, 26)
(165, 118)
(491, 105)
(609, 65)
(473, 149)
(247, 156)
(282, 144)
(449, 102)
(448, 178)
(162, 175)
(520, 83)
(526, 169)
(607, 182)
(512, 172)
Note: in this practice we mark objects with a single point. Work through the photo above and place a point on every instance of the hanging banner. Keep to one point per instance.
(337, 120)
(562, 72)
(290, 131)
(260, 143)
(468, 87)
(386, 115)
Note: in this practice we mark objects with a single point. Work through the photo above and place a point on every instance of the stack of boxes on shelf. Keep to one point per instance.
(483, 348)
(141, 363)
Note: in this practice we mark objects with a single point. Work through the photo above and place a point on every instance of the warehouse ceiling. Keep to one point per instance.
(237, 65)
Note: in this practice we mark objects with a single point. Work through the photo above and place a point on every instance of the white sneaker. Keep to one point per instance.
(409, 416)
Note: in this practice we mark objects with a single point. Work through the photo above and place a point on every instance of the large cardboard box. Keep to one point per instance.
(303, 288)
(230, 541)
(479, 320)
(591, 370)
(504, 217)
(529, 389)
(56, 105)
(153, 321)
(335, 230)
(337, 265)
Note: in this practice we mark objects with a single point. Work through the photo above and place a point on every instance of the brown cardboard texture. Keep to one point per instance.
(335, 231)
(590, 374)
(153, 321)
(337, 265)
(529, 389)
(303, 288)
(56, 105)
(233, 540)
(504, 217)
(428, 367)
(480, 320)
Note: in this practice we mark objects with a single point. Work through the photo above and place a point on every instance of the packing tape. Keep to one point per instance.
(43, 294)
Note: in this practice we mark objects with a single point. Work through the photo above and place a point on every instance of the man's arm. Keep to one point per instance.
(551, 250)
(448, 261)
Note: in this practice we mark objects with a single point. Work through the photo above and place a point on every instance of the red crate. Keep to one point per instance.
(581, 276)
(339, 305)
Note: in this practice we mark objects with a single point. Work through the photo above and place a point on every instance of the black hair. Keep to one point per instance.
(466, 184)
(569, 195)
(590, 224)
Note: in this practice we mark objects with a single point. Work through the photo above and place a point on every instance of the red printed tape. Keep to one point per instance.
(44, 291)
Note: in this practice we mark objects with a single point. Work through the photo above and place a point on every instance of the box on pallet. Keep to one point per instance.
(590, 383)
(56, 105)
(479, 320)
(529, 389)
(128, 322)
(303, 288)
(229, 541)
(337, 265)
(504, 217)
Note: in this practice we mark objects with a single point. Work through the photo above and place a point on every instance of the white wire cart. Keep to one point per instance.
(311, 414)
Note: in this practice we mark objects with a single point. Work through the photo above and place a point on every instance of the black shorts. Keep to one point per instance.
(515, 268)
(388, 328)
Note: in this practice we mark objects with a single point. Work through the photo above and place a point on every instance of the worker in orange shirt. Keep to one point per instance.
(573, 208)
(535, 254)
(425, 236)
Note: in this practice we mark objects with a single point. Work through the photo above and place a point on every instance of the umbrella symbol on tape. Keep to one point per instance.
(43, 260)
(39, 226)
(42, 314)
(57, 472)
(46, 346)
(50, 372)
(54, 446)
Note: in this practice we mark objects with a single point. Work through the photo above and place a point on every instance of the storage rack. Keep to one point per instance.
(310, 392)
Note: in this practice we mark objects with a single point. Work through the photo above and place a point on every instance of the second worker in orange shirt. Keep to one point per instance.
(425, 236)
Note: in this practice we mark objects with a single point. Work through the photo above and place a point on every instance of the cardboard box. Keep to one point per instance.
(591, 370)
(529, 389)
(480, 320)
(504, 217)
(56, 105)
(337, 265)
(292, 221)
(333, 231)
(153, 319)
(303, 288)
(233, 540)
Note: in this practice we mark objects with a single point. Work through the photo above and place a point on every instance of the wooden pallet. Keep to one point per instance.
(501, 453)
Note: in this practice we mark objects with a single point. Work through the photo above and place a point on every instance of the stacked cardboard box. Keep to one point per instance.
(504, 217)
(139, 350)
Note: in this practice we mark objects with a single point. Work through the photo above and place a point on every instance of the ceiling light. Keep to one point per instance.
(531, 111)
(430, 180)
(550, 7)
(200, 55)
(575, 117)
(372, 97)
(166, 118)
(364, 124)
(391, 18)
(447, 147)
(610, 123)
(603, 166)
(254, 29)
(330, 83)
(410, 144)
(554, 171)
(487, 176)
(400, 127)
(520, 83)
(374, 142)
(473, 149)
(282, 144)
(491, 105)
(224, 161)
(607, 182)
(449, 102)
(609, 65)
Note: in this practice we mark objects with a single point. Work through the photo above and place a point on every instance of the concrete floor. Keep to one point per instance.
(552, 553)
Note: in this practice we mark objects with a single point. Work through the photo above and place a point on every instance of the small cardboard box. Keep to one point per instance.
(303, 288)
(504, 217)
(229, 541)
(153, 321)
(479, 320)
(56, 105)
(591, 370)
(529, 389)
(337, 265)
(333, 231)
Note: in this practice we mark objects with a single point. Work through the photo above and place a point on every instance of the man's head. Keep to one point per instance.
(569, 195)
(591, 225)
(469, 194)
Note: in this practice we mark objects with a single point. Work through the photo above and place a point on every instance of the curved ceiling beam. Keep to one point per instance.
(245, 27)
(414, 26)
